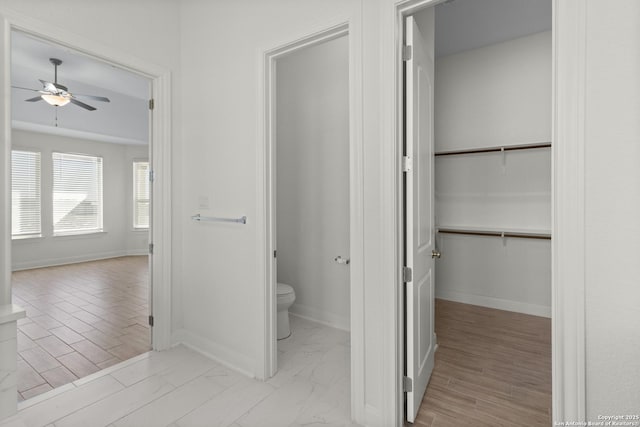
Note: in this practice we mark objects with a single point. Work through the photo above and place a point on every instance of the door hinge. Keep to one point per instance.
(152, 104)
(407, 274)
(151, 248)
(274, 254)
(152, 175)
(407, 52)
(407, 384)
(150, 320)
(407, 164)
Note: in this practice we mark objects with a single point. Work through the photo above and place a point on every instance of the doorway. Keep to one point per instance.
(338, 252)
(491, 299)
(125, 162)
(312, 169)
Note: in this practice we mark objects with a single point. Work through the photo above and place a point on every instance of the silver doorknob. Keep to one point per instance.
(435, 253)
(341, 260)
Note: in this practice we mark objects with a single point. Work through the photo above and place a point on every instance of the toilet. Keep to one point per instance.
(286, 297)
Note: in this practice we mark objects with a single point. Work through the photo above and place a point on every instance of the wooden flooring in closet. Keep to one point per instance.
(492, 368)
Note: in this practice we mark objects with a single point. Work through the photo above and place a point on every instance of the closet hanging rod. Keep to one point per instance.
(198, 217)
(519, 235)
(494, 149)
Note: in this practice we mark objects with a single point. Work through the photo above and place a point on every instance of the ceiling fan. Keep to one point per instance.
(58, 95)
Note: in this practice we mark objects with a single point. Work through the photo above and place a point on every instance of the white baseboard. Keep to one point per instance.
(52, 262)
(221, 354)
(372, 414)
(320, 316)
(497, 303)
(137, 252)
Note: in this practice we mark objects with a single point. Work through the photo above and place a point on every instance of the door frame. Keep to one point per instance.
(160, 156)
(568, 195)
(267, 205)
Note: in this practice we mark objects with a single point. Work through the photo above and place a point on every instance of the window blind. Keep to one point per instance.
(140, 194)
(77, 193)
(25, 194)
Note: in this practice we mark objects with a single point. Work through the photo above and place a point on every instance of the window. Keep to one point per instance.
(77, 193)
(140, 194)
(25, 194)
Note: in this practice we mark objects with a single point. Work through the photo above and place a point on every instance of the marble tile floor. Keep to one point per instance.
(81, 318)
(182, 388)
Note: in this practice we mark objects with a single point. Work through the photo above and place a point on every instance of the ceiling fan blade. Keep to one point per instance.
(26, 88)
(94, 97)
(82, 104)
(48, 86)
(53, 87)
(61, 87)
(36, 99)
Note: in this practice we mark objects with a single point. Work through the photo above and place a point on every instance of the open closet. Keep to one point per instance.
(493, 174)
(492, 209)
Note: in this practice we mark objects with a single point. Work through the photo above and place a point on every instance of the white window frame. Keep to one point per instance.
(38, 234)
(135, 198)
(100, 196)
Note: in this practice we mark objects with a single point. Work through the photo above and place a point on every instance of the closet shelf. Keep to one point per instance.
(494, 232)
(494, 149)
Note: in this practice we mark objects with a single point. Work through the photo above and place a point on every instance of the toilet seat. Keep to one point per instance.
(284, 289)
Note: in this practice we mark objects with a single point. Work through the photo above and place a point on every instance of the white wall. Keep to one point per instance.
(509, 74)
(221, 48)
(118, 238)
(313, 179)
(221, 141)
(612, 208)
(492, 96)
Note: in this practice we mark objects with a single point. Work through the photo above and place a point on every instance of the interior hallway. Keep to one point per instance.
(492, 368)
(181, 388)
(80, 318)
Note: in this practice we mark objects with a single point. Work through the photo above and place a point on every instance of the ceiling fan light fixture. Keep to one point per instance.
(55, 100)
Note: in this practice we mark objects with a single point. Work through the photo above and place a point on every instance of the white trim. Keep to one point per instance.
(323, 317)
(266, 209)
(568, 218)
(160, 220)
(160, 146)
(52, 262)
(5, 166)
(81, 381)
(136, 252)
(10, 313)
(72, 133)
(497, 303)
(214, 351)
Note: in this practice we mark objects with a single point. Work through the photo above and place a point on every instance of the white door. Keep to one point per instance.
(420, 232)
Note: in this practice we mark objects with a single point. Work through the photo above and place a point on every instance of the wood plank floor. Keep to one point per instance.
(80, 318)
(492, 368)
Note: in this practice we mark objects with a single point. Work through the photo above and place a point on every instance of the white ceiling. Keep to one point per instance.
(123, 120)
(469, 24)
